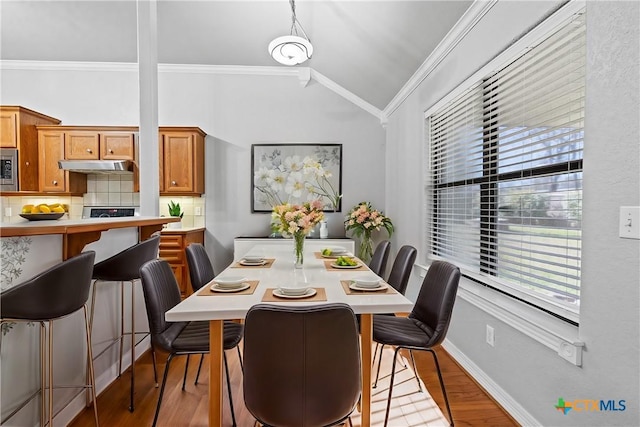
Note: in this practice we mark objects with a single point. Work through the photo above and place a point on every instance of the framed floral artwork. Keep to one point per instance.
(296, 173)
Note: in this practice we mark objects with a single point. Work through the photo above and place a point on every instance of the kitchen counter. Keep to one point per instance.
(78, 233)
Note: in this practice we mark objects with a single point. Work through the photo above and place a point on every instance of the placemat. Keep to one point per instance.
(268, 296)
(327, 265)
(347, 290)
(267, 265)
(207, 292)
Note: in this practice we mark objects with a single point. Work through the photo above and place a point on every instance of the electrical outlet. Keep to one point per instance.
(7, 211)
(491, 337)
(198, 211)
(629, 224)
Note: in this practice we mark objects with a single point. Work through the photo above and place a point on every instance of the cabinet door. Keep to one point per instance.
(116, 146)
(8, 129)
(51, 149)
(81, 145)
(178, 162)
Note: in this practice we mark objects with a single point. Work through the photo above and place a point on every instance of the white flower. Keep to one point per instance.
(295, 184)
(262, 177)
(277, 179)
(293, 164)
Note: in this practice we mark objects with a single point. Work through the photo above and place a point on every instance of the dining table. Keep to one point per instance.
(330, 284)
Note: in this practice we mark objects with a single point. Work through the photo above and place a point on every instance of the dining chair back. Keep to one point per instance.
(200, 268)
(401, 268)
(378, 263)
(427, 324)
(55, 293)
(161, 293)
(302, 364)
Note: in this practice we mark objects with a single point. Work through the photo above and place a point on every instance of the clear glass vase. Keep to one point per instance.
(365, 250)
(298, 242)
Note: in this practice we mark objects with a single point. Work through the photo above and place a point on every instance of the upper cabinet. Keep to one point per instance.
(51, 177)
(18, 130)
(182, 161)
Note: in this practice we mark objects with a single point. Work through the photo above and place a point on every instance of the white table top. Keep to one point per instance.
(314, 274)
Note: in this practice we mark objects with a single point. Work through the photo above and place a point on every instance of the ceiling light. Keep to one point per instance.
(292, 49)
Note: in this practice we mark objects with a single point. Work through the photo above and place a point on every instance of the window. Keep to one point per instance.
(505, 189)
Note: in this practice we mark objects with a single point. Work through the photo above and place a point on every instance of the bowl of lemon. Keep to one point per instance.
(43, 212)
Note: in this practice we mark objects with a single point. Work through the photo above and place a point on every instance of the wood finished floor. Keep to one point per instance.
(470, 405)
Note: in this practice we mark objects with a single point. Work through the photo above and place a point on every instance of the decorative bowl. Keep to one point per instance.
(42, 216)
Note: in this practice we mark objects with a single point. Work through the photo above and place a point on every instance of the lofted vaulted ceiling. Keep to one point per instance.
(371, 48)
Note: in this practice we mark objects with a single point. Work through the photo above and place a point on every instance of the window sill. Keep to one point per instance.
(548, 330)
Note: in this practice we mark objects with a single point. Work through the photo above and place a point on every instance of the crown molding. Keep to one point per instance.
(469, 20)
(303, 74)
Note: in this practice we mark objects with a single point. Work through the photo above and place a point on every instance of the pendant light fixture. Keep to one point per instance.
(292, 49)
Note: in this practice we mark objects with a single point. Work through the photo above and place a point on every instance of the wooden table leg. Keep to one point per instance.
(215, 372)
(366, 339)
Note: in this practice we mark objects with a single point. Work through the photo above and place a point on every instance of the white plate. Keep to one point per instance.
(253, 264)
(337, 250)
(253, 258)
(230, 280)
(334, 265)
(334, 256)
(311, 292)
(242, 287)
(285, 290)
(355, 287)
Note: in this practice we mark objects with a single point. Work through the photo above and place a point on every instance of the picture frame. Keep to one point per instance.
(296, 173)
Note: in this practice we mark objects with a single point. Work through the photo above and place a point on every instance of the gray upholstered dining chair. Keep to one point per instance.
(161, 293)
(378, 263)
(427, 324)
(301, 364)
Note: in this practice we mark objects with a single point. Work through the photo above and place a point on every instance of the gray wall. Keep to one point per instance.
(533, 375)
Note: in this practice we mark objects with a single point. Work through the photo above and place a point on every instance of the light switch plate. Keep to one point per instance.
(629, 225)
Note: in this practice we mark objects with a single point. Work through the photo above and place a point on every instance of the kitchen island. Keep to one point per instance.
(28, 248)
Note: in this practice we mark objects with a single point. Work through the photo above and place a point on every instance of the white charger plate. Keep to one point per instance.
(253, 264)
(242, 287)
(355, 287)
(311, 292)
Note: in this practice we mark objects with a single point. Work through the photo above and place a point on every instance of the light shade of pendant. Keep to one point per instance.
(290, 50)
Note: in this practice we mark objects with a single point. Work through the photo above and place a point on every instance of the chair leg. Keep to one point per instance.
(444, 391)
(240, 359)
(133, 347)
(375, 383)
(43, 370)
(155, 369)
(121, 327)
(164, 382)
(375, 352)
(199, 367)
(415, 371)
(226, 368)
(50, 360)
(186, 368)
(91, 376)
(393, 374)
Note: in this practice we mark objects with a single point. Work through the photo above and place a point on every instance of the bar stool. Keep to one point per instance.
(53, 294)
(125, 267)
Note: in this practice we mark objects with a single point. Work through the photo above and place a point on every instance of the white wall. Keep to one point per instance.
(235, 111)
(531, 374)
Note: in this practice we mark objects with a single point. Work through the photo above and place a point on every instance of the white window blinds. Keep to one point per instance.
(506, 163)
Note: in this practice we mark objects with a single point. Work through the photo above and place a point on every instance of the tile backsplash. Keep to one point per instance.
(105, 190)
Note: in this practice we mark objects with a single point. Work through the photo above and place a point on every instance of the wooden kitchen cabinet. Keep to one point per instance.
(99, 142)
(173, 243)
(81, 145)
(18, 130)
(51, 178)
(182, 161)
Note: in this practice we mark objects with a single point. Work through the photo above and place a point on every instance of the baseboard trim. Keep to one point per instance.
(504, 399)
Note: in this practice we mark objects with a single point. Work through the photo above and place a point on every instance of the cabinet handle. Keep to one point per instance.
(55, 182)
(110, 151)
(89, 150)
(27, 163)
(174, 183)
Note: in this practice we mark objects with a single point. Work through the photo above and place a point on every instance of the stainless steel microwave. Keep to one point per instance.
(8, 169)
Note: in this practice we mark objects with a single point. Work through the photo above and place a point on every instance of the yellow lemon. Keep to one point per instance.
(35, 209)
(45, 209)
(27, 208)
(58, 209)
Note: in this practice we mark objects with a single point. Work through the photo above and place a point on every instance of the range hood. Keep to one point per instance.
(97, 166)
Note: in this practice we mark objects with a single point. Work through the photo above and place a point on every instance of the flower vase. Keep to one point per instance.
(365, 250)
(298, 241)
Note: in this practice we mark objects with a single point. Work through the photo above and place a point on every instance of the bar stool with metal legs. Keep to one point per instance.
(125, 267)
(53, 294)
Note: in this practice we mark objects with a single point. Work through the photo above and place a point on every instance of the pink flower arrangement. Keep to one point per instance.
(297, 219)
(363, 220)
